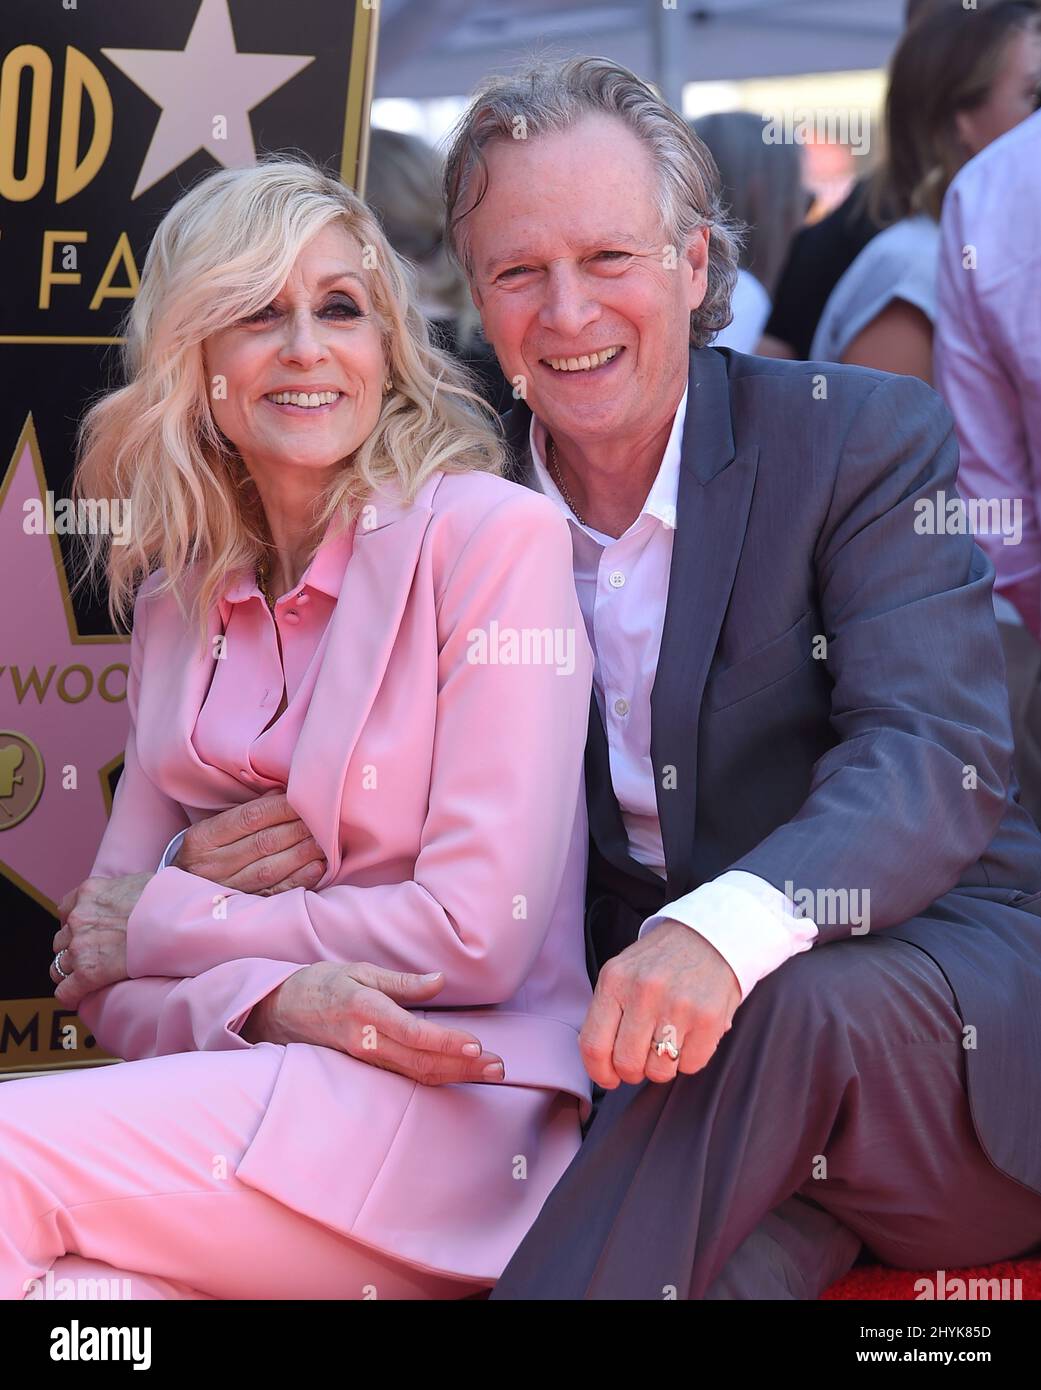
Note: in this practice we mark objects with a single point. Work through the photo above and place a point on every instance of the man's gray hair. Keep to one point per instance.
(549, 99)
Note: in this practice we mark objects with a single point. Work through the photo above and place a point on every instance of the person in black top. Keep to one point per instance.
(819, 256)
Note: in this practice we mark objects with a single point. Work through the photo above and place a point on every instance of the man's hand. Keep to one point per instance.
(92, 939)
(261, 847)
(671, 984)
(361, 1009)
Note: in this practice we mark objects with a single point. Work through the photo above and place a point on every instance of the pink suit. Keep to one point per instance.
(434, 748)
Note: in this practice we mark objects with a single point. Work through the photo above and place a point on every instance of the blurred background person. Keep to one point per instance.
(403, 188)
(763, 189)
(823, 251)
(958, 80)
(988, 366)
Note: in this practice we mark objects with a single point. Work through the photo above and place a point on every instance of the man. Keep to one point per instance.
(988, 367)
(814, 908)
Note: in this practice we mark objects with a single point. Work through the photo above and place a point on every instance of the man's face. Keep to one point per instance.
(570, 260)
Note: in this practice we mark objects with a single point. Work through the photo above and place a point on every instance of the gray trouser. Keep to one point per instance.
(833, 1114)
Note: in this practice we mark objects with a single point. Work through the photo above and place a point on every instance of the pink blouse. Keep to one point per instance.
(230, 732)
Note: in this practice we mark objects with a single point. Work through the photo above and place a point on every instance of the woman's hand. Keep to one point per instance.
(92, 940)
(358, 1009)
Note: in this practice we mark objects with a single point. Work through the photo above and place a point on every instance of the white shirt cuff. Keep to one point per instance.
(752, 924)
(170, 853)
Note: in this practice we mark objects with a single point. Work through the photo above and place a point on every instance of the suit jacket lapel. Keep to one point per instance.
(363, 630)
(174, 707)
(605, 815)
(715, 495)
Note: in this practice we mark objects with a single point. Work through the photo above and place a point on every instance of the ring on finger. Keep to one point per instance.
(57, 964)
(666, 1047)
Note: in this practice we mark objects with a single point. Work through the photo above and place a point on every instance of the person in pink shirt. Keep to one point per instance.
(988, 363)
(359, 679)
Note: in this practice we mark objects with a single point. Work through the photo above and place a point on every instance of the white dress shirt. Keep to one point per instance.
(622, 587)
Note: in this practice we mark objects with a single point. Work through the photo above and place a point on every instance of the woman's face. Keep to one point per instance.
(299, 385)
(1012, 96)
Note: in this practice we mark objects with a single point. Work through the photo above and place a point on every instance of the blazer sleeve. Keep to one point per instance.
(146, 1017)
(505, 783)
(914, 790)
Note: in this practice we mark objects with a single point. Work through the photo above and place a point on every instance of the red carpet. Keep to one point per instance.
(878, 1282)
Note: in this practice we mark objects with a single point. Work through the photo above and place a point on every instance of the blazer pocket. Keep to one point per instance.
(767, 665)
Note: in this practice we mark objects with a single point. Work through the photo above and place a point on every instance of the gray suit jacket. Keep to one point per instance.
(884, 765)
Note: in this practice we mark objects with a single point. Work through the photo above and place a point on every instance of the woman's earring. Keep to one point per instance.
(388, 385)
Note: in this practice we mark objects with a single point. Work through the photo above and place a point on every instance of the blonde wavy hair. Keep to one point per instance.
(223, 252)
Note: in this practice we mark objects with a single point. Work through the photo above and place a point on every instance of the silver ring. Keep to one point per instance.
(57, 964)
(666, 1045)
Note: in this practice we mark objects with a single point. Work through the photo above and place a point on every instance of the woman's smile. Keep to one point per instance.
(312, 356)
(304, 403)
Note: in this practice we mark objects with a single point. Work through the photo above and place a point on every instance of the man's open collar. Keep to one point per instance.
(708, 433)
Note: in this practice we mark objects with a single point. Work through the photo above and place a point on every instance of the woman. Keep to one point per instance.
(959, 79)
(763, 190)
(343, 603)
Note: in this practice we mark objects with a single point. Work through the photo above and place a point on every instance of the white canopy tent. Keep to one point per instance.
(439, 48)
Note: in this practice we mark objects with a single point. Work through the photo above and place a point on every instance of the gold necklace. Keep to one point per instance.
(262, 585)
(560, 483)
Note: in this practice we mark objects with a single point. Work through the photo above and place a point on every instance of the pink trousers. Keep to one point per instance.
(127, 1173)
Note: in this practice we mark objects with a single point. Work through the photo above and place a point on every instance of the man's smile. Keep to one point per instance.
(587, 364)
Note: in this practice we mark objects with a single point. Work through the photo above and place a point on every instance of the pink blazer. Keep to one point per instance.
(447, 676)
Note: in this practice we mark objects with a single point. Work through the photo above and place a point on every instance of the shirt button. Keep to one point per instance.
(621, 706)
(616, 579)
(302, 599)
